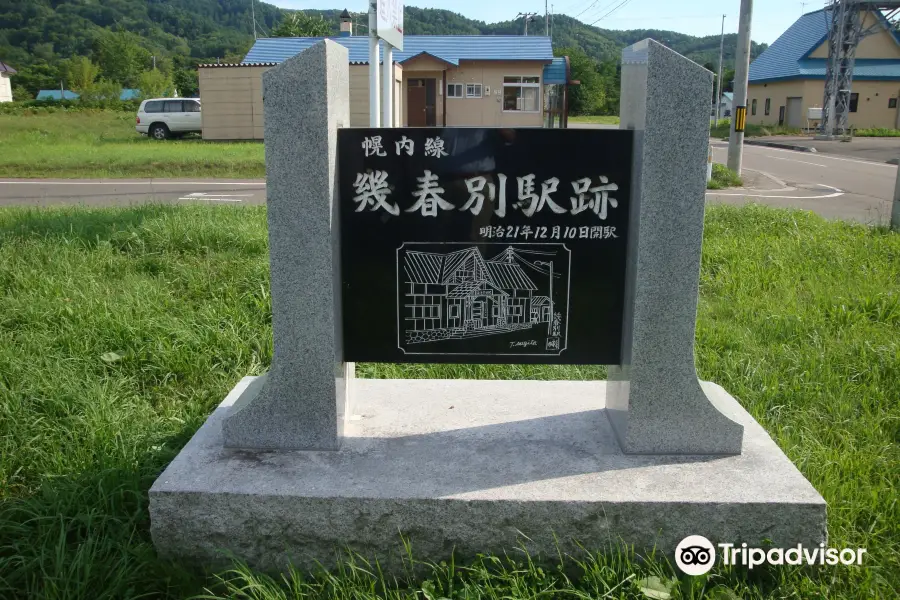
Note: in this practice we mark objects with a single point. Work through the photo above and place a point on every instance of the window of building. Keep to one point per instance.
(854, 102)
(454, 90)
(521, 93)
(454, 311)
(768, 106)
(892, 103)
(753, 106)
(473, 90)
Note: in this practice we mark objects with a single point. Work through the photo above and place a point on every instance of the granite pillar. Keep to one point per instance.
(299, 404)
(655, 402)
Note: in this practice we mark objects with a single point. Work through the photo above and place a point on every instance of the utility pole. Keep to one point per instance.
(895, 209)
(741, 69)
(551, 22)
(546, 20)
(527, 17)
(154, 62)
(719, 78)
(253, 16)
(374, 96)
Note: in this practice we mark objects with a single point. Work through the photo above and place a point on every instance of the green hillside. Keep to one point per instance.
(36, 36)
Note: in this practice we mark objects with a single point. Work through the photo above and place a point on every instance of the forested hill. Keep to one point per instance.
(36, 35)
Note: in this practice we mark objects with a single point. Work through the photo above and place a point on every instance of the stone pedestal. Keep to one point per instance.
(472, 466)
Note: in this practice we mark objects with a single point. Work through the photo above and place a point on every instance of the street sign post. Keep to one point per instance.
(390, 22)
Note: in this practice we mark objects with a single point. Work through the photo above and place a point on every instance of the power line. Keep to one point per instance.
(617, 7)
(587, 9)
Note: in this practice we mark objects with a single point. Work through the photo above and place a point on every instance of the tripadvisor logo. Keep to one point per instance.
(696, 555)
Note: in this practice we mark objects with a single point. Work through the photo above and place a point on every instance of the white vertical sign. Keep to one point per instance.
(390, 22)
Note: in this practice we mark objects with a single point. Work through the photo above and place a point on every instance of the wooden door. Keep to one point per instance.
(415, 105)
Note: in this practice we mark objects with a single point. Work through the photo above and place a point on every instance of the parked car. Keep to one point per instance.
(163, 118)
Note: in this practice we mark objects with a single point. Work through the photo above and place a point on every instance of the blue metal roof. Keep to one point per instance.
(55, 95)
(555, 72)
(449, 48)
(130, 94)
(788, 56)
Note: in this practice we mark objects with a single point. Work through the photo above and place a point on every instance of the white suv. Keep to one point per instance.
(162, 118)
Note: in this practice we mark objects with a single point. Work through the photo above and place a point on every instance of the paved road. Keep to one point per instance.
(119, 192)
(833, 186)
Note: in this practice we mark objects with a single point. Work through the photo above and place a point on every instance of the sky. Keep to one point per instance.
(694, 17)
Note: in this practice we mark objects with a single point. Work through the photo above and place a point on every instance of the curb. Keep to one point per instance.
(780, 145)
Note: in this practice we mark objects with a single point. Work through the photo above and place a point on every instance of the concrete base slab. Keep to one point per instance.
(472, 466)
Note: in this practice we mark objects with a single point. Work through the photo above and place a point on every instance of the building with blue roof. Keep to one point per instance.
(787, 80)
(452, 80)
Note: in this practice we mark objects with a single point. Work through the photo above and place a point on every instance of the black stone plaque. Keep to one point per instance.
(471, 245)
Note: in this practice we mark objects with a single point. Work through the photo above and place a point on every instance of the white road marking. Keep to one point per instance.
(216, 197)
(837, 192)
(724, 146)
(151, 183)
(796, 161)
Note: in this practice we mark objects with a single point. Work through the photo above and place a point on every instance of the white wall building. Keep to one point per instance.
(6, 72)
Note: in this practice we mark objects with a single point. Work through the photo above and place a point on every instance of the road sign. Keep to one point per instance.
(389, 25)
(740, 118)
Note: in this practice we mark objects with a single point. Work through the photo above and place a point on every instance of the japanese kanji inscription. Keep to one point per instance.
(483, 245)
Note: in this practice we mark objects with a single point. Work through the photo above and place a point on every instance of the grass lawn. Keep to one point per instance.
(723, 129)
(87, 144)
(723, 177)
(121, 329)
(597, 119)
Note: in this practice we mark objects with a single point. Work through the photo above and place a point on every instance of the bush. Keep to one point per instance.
(42, 107)
(877, 132)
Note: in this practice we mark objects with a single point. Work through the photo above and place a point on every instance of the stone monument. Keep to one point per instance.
(460, 245)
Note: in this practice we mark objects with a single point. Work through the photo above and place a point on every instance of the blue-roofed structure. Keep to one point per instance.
(440, 80)
(790, 56)
(56, 95)
(788, 78)
(448, 48)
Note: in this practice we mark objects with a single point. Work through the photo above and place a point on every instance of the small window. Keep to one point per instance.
(892, 103)
(768, 105)
(521, 93)
(172, 106)
(454, 90)
(191, 106)
(153, 107)
(753, 106)
(854, 102)
(473, 90)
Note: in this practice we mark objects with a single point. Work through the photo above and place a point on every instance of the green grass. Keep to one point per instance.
(876, 132)
(723, 177)
(596, 119)
(723, 129)
(121, 329)
(88, 144)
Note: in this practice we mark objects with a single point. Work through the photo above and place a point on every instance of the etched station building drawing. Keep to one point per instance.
(462, 294)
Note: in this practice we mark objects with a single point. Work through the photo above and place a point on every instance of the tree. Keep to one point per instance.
(20, 93)
(589, 97)
(185, 81)
(298, 24)
(154, 84)
(121, 57)
(81, 74)
(103, 92)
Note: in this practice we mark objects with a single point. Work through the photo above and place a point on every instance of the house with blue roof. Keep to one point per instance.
(439, 80)
(788, 78)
